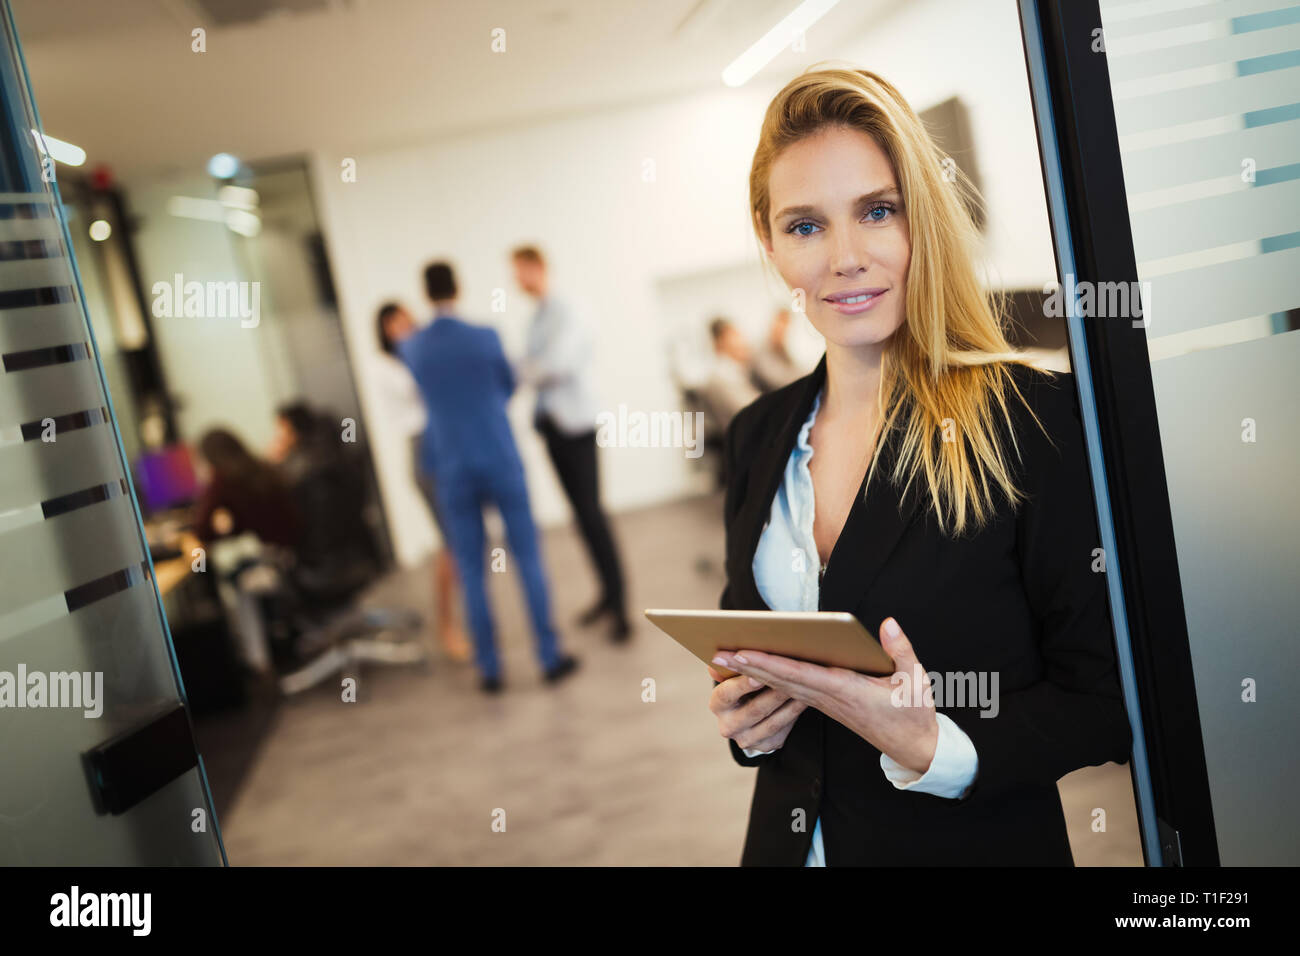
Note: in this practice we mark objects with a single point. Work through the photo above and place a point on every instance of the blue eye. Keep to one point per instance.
(884, 209)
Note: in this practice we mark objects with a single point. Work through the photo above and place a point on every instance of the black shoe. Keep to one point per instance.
(621, 631)
(594, 613)
(567, 666)
(490, 685)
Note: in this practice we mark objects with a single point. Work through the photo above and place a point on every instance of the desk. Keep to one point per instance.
(199, 621)
(170, 573)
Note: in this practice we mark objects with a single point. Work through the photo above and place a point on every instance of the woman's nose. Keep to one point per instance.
(850, 254)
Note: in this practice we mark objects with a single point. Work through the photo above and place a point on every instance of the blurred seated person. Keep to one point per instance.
(242, 493)
(302, 442)
(729, 387)
(327, 477)
(773, 366)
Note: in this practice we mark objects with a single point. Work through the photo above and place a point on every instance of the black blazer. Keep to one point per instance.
(1018, 597)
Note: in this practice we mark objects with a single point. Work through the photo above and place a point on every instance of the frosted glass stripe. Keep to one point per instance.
(34, 273)
(1190, 161)
(14, 230)
(131, 612)
(20, 517)
(1218, 221)
(51, 391)
(31, 616)
(1208, 101)
(1228, 49)
(1171, 19)
(67, 551)
(1198, 298)
(14, 199)
(33, 471)
(1164, 347)
(36, 326)
(1130, 9)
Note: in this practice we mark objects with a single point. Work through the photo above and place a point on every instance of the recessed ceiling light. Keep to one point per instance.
(223, 166)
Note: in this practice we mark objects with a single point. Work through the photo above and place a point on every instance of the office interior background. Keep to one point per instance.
(326, 150)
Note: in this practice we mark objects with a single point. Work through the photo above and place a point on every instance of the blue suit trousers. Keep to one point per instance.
(463, 496)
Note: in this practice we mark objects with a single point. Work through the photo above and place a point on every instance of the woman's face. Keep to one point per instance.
(838, 228)
(399, 326)
(282, 441)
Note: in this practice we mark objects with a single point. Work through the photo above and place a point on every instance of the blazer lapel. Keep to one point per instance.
(872, 530)
(874, 525)
(870, 535)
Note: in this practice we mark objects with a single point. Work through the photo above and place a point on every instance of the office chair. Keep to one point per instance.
(306, 595)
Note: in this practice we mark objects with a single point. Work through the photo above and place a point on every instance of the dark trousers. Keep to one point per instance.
(574, 457)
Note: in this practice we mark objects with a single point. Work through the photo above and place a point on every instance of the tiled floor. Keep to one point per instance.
(421, 766)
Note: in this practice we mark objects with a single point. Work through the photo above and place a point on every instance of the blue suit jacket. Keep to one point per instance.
(466, 381)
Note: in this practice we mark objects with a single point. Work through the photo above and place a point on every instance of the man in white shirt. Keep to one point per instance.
(558, 365)
(729, 387)
(773, 365)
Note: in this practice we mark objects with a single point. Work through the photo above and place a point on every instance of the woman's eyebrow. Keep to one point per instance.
(861, 200)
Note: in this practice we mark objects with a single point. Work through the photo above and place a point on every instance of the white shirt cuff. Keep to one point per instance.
(952, 771)
(755, 753)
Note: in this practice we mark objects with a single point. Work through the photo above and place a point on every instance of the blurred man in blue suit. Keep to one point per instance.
(468, 447)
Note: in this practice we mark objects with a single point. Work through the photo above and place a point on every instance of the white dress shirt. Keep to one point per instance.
(558, 363)
(402, 404)
(788, 575)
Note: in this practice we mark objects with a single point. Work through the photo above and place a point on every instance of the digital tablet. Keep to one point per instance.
(831, 638)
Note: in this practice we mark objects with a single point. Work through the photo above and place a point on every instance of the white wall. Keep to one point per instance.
(576, 187)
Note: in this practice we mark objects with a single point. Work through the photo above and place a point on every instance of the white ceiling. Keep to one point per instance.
(119, 79)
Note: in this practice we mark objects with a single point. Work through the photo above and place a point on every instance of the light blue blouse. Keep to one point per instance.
(788, 572)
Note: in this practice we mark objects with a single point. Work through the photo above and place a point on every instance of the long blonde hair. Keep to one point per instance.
(949, 360)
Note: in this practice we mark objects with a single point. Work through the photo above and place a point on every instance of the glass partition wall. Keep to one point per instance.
(1207, 108)
(95, 739)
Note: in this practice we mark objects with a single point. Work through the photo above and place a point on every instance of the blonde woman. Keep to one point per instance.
(928, 480)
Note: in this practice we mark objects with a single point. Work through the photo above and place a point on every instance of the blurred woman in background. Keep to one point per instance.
(242, 493)
(405, 409)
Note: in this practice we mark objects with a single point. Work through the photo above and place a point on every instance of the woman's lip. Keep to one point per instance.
(856, 307)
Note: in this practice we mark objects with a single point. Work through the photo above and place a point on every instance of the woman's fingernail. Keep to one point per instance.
(720, 661)
(892, 628)
(743, 660)
(755, 683)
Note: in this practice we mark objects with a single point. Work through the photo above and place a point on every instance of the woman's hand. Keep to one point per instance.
(754, 719)
(907, 732)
